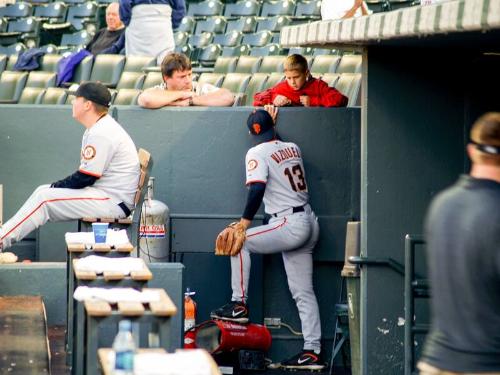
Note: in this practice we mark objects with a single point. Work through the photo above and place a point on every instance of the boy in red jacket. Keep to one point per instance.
(300, 89)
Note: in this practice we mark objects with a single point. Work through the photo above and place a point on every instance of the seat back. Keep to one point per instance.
(11, 85)
(17, 10)
(80, 38)
(225, 64)
(236, 82)
(152, 79)
(272, 64)
(55, 11)
(138, 63)
(49, 62)
(126, 97)
(54, 95)
(107, 69)
(31, 95)
(131, 80)
(230, 39)
(331, 78)
(187, 24)
(310, 10)
(3, 24)
(243, 24)
(211, 78)
(3, 62)
(29, 25)
(81, 13)
(41, 79)
(349, 84)
(273, 80)
(216, 25)
(83, 69)
(278, 8)
(255, 85)
(258, 39)
(273, 24)
(205, 8)
(349, 64)
(200, 40)
(242, 50)
(248, 64)
(325, 64)
(209, 54)
(272, 49)
(243, 8)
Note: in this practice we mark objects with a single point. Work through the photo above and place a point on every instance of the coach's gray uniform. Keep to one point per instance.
(279, 165)
(108, 153)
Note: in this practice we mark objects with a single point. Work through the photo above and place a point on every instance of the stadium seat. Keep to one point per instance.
(187, 25)
(349, 84)
(41, 79)
(331, 78)
(48, 62)
(54, 95)
(257, 39)
(208, 55)
(273, 24)
(216, 25)
(180, 38)
(107, 69)
(200, 40)
(185, 49)
(212, 78)
(323, 51)
(349, 64)
(243, 24)
(3, 24)
(3, 62)
(325, 64)
(225, 64)
(236, 82)
(20, 9)
(236, 51)
(301, 51)
(83, 70)
(52, 12)
(243, 8)
(278, 8)
(27, 28)
(152, 79)
(255, 85)
(126, 97)
(273, 80)
(11, 86)
(31, 95)
(131, 80)
(377, 6)
(308, 10)
(272, 64)
(268, 50)
(231, 39)
(80, 38)
(206, 8)
(49, 48)
(138, 63)
(83, 13)
(248, 64)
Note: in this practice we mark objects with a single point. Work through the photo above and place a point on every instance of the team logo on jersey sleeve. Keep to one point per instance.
(252, 164)
(88, 152)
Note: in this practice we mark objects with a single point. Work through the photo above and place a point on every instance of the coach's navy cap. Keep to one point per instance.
(95, 92)
(261, 124)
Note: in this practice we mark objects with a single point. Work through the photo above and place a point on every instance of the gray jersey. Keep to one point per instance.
(279, 165)
(109, 153)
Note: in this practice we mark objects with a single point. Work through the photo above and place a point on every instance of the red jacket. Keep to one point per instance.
(321, 95)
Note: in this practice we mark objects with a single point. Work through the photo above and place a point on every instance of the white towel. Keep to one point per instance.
(182, 362)
(115, 295)
(100, 264)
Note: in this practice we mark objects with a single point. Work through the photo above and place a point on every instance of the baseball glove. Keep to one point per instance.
(230, 240)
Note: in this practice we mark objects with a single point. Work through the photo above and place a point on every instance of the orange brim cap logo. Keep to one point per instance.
(256, 128)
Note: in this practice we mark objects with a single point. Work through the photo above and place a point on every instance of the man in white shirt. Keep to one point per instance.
(104, 184)
(178, 88)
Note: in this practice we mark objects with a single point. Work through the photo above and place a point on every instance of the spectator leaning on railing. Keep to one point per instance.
(300, 89)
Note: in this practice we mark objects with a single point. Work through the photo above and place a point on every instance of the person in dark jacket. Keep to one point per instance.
(107, 36)
(150, 25)
(300, 89)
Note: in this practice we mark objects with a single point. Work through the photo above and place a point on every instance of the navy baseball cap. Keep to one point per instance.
(261, 125)
(95, 92)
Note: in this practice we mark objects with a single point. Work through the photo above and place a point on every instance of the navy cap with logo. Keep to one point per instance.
(261, 125)
(95, 92)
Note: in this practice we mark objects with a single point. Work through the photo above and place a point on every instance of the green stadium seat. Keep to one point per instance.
(107, 69)
(308, 10)
(3, 62)
(181, 38)
(3, 24)
(208, 55)
(138, 63)
(349, 64)
(131, 80)
(77, 39)
(230, 39)
(236, 82)
(206, 8)
(82, 13)
(349, 84)
(225, 64)
(278, 8)
(325, 64)
(126, 97)
(243, 8)
(256, 84)
(215, 79)
(83, 70)
(31, 95)
(41, 79)
(216, 25)
(48, 62)
(331, 78)
(187, 25)
(272, 64)
(273, 80)
(248, 64)
(242, 50)
(54, 95)
(273, 24)
(152, 79)
(272, 49)
(11, 86)
(52, 12)
(258, 39)
(243, 24)
(20, 9)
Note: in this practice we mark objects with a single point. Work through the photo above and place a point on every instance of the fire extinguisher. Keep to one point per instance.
(189, 310)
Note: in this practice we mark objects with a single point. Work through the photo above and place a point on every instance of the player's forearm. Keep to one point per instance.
(157, 98)
(77, 180)
(254, 200)
(219, 98)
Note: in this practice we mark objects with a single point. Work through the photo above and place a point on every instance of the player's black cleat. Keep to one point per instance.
(233, 311)
(305, 360)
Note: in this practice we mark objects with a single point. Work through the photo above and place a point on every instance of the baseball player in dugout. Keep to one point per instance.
(104, 184)
(275, 174)
(178, 88)
(300, 88)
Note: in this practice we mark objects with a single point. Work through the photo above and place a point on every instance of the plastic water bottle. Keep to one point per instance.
(124, 348)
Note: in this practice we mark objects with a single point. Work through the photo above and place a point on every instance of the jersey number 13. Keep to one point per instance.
(296, 178)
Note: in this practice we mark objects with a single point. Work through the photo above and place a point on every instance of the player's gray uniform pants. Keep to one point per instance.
(295, 236)
(55, 204)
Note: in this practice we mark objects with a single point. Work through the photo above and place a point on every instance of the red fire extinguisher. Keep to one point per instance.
(189, 310)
